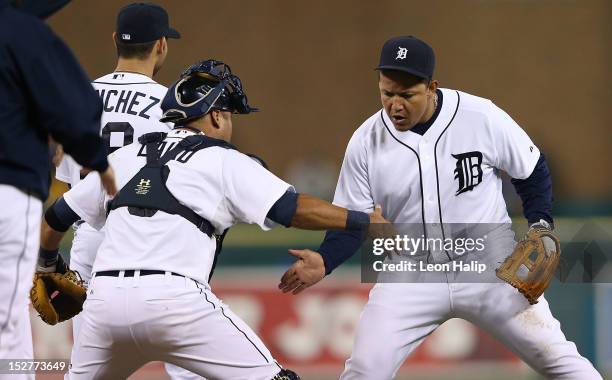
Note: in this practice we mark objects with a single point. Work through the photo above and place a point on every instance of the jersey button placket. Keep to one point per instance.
(429, 185)
(431, 196)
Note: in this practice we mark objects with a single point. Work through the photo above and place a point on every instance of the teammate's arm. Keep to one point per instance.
(254, 195)
(68, 106)
(352, 193)
(84, 201)
(306, 212)
(56, 221)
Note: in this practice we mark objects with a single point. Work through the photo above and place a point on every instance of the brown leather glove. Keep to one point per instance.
(58, 296)
(532, 265)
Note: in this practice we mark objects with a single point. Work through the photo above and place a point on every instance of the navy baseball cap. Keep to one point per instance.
(408, 54)
(143, 22)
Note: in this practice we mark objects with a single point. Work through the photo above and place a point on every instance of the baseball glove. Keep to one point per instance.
(58, 296)
(531, 267)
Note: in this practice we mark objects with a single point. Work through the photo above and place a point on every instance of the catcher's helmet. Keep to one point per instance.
(203, 87)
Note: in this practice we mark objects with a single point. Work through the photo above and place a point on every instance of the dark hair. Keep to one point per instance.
(138, 51)
(416, 78)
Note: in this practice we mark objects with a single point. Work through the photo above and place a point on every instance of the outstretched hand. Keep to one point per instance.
(305, 272)
(108, 181)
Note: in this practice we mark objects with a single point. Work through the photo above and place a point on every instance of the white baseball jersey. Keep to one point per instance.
(448, 175)
(167, 317)
(222, 185)
(131, 108)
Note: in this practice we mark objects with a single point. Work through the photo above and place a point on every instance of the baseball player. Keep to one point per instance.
(43, 92)
(131, 104)
(149, 297)
(432, 156)
(131, 107)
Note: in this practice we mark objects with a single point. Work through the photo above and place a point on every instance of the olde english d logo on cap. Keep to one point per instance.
(401, 53)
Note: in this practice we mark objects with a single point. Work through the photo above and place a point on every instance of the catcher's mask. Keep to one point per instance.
(205, 86)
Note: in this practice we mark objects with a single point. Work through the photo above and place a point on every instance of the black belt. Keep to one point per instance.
(130, 273)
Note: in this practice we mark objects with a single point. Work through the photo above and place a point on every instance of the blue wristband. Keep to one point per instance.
(339, 246)
(48, 258)
(48, 254)
(357, 220)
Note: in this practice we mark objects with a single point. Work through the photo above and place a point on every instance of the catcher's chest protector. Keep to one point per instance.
(146, 192)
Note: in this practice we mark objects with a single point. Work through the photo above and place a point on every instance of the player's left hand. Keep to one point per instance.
(305, 272)
(57, 295)
(381, 227)
(376, 217)
(58, 155)
(532, 265)
(108, 181)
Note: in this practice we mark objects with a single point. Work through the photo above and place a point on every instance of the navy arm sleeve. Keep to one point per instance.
(536, 193)
(284, 208)
(60, 216)
(68, 107)
(339, 246)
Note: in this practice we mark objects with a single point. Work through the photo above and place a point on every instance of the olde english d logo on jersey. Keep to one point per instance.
(468, 171)
(143, 186)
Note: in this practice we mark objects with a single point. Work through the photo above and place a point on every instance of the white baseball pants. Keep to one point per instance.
(85, 245)
(398, 317)
(19, 237)
(129, 321)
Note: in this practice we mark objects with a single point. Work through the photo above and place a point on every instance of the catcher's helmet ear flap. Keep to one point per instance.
(203, 87)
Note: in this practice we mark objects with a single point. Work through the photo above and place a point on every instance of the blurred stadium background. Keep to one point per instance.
(308, 65)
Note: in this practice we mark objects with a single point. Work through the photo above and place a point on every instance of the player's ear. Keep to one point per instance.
(433, 85)
(215, 117)
(162, 45)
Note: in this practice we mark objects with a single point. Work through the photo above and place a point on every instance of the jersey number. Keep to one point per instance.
(114, 128)
(164, 147)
